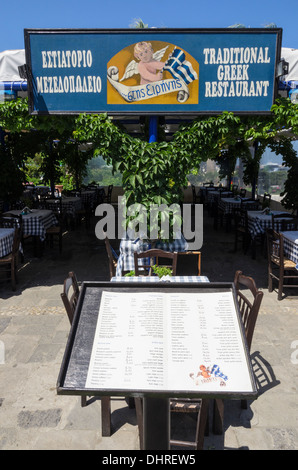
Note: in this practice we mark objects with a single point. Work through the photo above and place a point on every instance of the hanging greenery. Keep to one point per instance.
(154, 172)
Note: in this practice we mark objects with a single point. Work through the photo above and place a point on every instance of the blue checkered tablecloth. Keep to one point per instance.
(228, 204)
(70, 205)
(156, 279)
(258, 222)
(214, 196)
(36, 222)
(291, 245)
(89, 197)
(128, 247)
(6, 241)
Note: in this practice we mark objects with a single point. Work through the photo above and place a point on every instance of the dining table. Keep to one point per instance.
(215, 195)
(89, 197)
(291, 245)
(128, 246)
(161, 280)
(228, 204)
(36, 221)
(121, 332)
(70, 205)
(259, 221)
(6, 241)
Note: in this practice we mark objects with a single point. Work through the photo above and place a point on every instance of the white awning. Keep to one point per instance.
(9, 63)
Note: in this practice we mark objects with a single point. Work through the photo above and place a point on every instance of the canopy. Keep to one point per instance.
(291, 56)
(9, 63)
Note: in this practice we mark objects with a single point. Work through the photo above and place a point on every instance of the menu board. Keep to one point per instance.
(167, 341)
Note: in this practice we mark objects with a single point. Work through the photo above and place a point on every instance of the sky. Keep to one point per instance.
(104, 14)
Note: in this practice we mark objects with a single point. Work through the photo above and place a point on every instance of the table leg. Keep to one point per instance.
(156, 423)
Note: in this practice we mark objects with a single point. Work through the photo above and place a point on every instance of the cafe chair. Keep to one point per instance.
(10, 261)
(234, 189)
(112, 257)
(70, 295)
(187, 257)
(195, 195)
(241, 230)
(181, 405)
(249, 305)
(192, 405)
(55, 231)
(69, 298)
(108, 197)
(266, 201)
(251, 204)
(283, 222)
(280, 268)
(152, 257)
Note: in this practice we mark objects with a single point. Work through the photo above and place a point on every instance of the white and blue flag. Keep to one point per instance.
(180, 68)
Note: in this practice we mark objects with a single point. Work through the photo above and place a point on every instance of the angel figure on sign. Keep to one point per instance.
(149, 66)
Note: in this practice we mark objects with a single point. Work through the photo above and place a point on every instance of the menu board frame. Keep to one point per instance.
(75, 364)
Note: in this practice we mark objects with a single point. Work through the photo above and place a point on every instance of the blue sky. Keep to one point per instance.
(156, 13)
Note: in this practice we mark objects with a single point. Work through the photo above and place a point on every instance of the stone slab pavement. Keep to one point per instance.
(33, 333)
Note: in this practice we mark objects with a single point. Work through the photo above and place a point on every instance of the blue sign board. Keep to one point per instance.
(152, 71)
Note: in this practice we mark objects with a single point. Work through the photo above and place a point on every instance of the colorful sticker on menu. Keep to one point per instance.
(209, 374)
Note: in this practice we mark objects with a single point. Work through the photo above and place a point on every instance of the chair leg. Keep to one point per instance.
(280, 283)
(13, 275)
(218, 416)
(202, 421)
(106, 416)
(270, 285)
(83, 401)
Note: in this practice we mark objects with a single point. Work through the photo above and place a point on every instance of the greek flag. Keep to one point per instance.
(180, 68)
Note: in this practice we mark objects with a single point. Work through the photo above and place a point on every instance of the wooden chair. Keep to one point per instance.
(241, 230)
(249, 309)
(195, 195)
(55, 231)
(112, 257)
(192, 405)
(108, 196)
(283, 222)
(181, 405)
(279, 267)
(154, 256)
(266, 200)
(70, 297)
(251, 204)
(10, 261)
(190, 254)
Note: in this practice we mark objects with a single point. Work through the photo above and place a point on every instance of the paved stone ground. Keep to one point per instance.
(33, 334)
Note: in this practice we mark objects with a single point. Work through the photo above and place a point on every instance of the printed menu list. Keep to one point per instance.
(168, 341)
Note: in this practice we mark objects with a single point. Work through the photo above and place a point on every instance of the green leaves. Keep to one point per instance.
(153, 171)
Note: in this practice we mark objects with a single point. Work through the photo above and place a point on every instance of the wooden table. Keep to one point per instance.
(208, 314)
